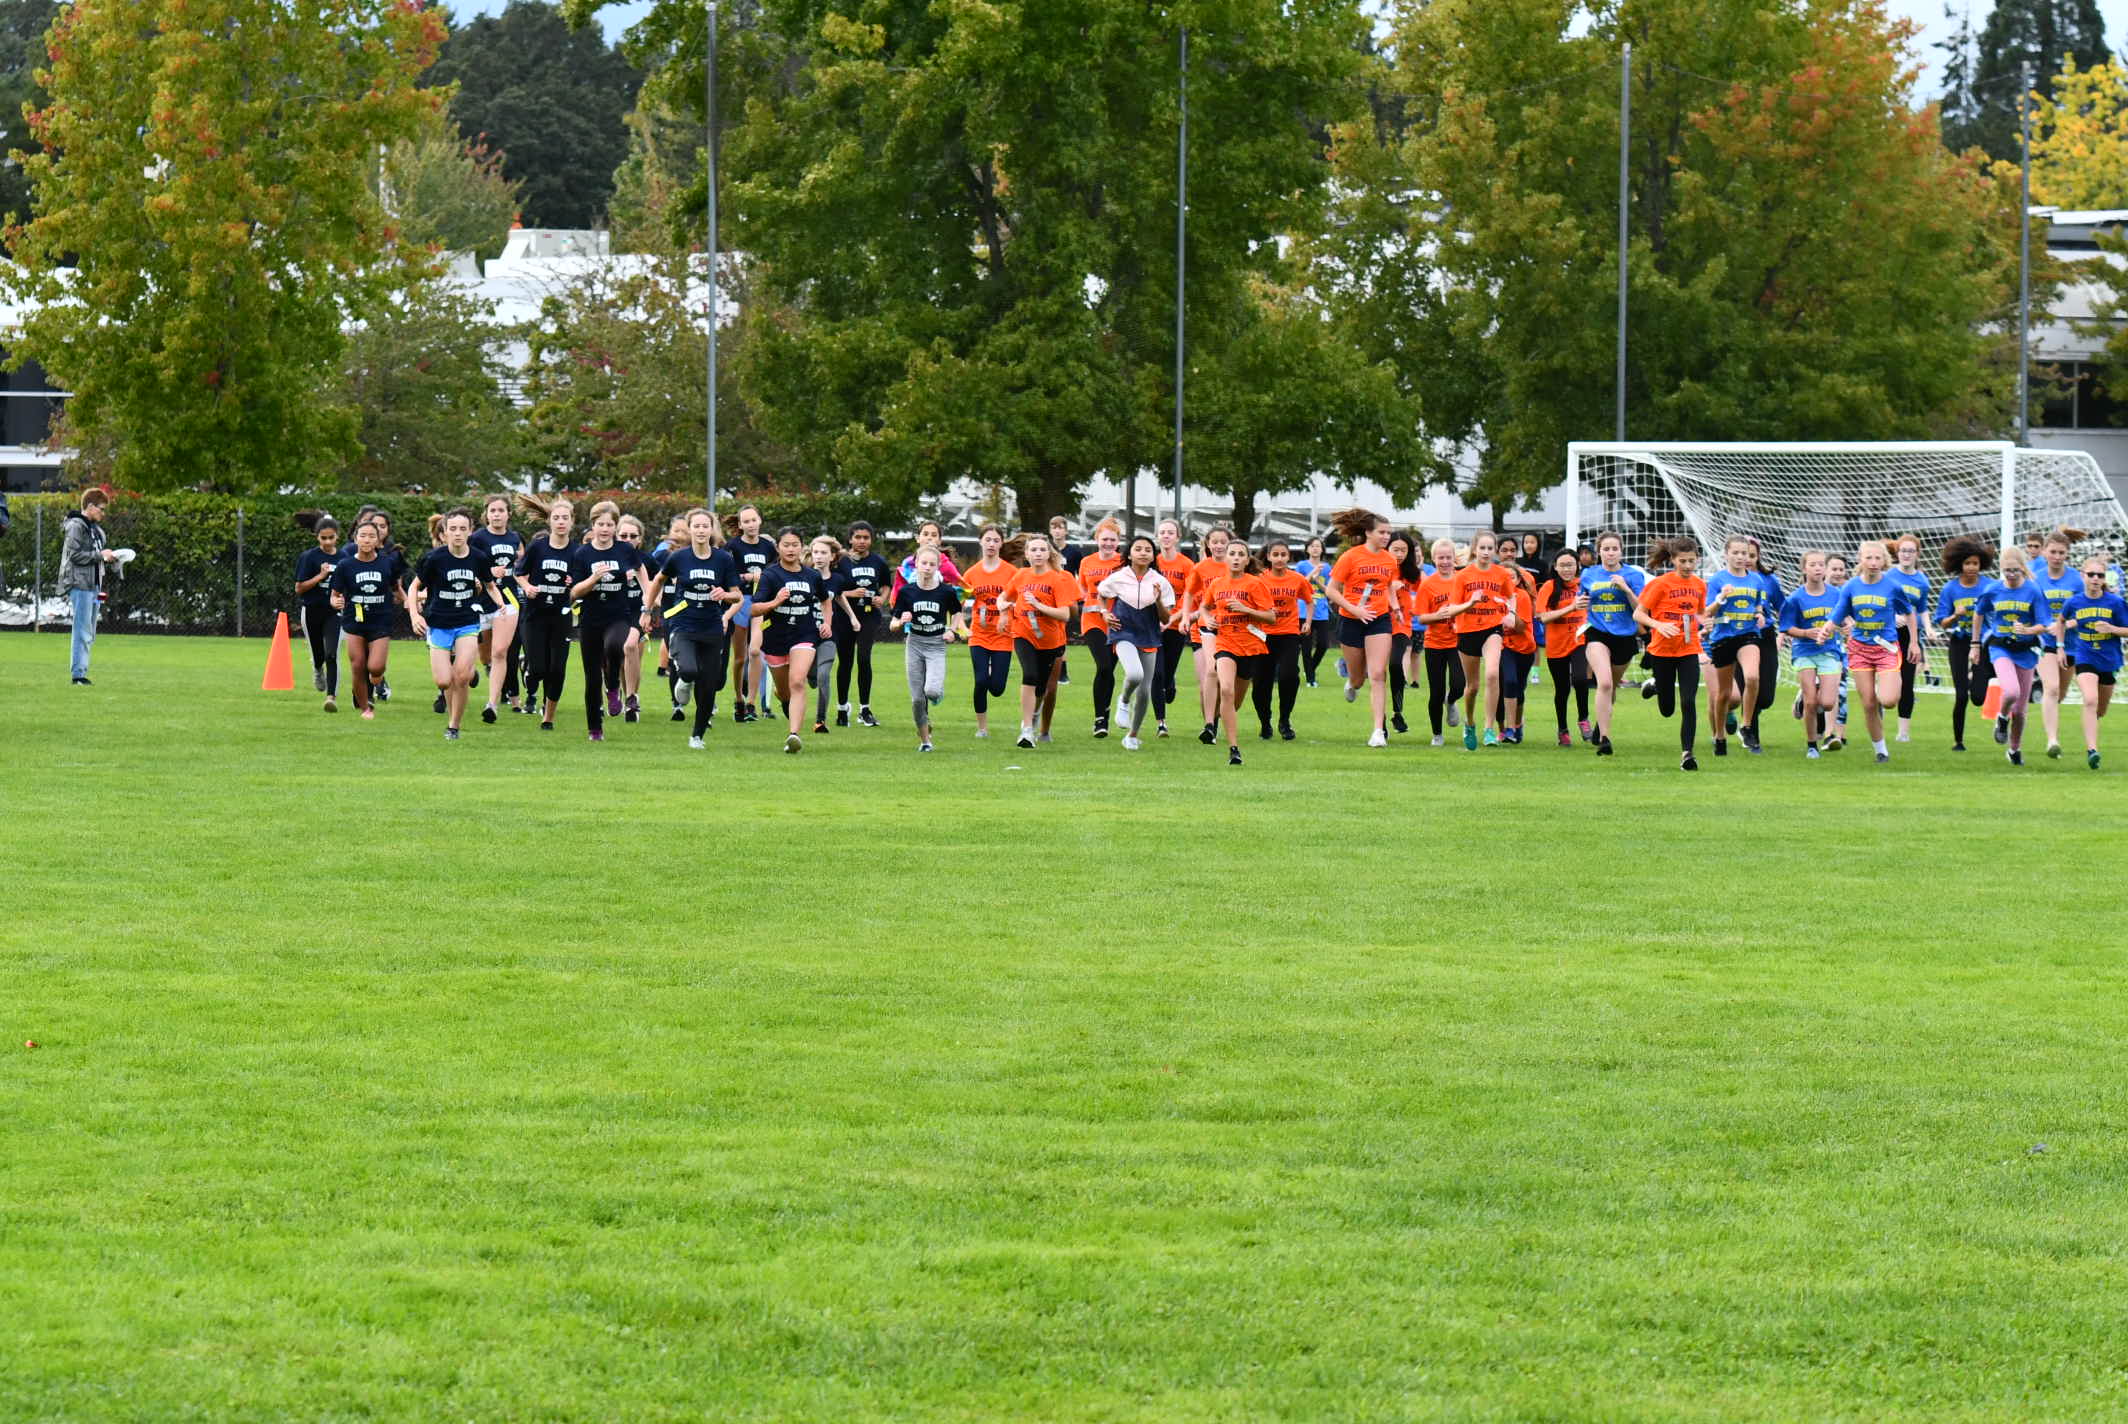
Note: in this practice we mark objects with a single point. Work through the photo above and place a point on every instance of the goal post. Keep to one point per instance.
(1794, 496)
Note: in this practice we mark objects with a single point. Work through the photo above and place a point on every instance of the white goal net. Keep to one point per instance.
(1793, 497)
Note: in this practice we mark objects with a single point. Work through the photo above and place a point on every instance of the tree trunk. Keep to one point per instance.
(1244, 509)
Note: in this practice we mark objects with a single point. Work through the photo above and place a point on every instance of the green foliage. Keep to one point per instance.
(1806, 261)
(23, 24)
(552, 98)
(203, 229)
(448, 193)
(1981, 74)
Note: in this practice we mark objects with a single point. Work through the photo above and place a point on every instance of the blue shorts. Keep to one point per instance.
(445, 639)
(1354, 634)
(1825, 661)
(745, 616)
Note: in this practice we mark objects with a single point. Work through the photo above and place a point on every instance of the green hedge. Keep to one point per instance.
(186, 581)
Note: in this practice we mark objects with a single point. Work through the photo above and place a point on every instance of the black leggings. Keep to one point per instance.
(854, 651)
(1319, 635)
(1399, 644)
(1969, 684)
(1281, 666)
(992, 667)
(1444, 683)
(1908, 672)
(698, 656)
(322, 626)
(1514, 680)
(546, 643)
(1104, 674)
(1769, 642)
(1038, 666)
(1677, 693)
(1570, 673)
(603, 647)
(1171, 645)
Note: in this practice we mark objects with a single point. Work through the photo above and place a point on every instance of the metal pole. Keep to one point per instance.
(1182, 207)
(2024, 256)
(240, 571)
(1625, 139)
(709, 150)
(37, 587)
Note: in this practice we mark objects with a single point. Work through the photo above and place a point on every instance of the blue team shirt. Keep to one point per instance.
(2100, 652)
(1317, 573)
(1875, 607)
(1735, 605)
(1610, 609)
(1954, 606)
(1999, 607)
(2058, 591)
(1805, 611)
(1915, 585)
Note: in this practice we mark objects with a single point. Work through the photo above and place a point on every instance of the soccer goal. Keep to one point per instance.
(1793, 497)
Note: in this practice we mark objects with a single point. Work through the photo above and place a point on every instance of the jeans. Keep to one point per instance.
(85, 610)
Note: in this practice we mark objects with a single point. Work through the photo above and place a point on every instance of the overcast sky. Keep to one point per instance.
(1927, 13)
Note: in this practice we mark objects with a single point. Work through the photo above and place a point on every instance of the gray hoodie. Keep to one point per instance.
(81, 557)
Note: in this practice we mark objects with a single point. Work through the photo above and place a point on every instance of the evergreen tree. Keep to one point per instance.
(1981, 91)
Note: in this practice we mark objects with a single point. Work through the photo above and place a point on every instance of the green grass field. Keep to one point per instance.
(522, 1079)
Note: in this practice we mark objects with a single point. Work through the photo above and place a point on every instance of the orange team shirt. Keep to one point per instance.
(1056, 588)
(986, 626)
(1437, 591)
(1092, 569)
(1563, 632)
(1238, 634)
(1290, 593)
(1177, 569)
(1672, 598)
(1522, 638)
(1365, 578)
(1401, 611)
(1492, 587)
(1198, 588)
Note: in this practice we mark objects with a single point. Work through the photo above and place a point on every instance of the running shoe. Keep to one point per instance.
(1492, 738)
(450, 734)
(1378, 738)
(1566, 739)
(382, 689)
(1470, 739)
(1811, 753)
(694, 744)
(1957, 746)
(1161, 730)
(820, 729)
(2054, 751)
(1100, 728)
(1026, 741)
(1751, 738)
(1902, 737)
(1883, 757)
(476, 678)
(1351, 693)
(866, 719)
(598, 736)
(1341, 672)
(934, 698)
(1588, 733)
(2002, 730)
(1209, 735)
(635, 709)
(1263, 733)
(1647, 694)
(1603, 747)
(1455, 715)
(487, 714)
(791, 744)
(1721, 746)
(439, 706)
(1233, 756)
(368, 715)
(317, 679)
(1729, 725)
(982, 734)
(1131, 744)
(613, 702)
(1436, 739)
(842, 715)
(332, 704)
(1834, 744)
(2091, 759)
(1043, 740)
(1795, 708)
(547, 725)
(1286, 734)
(2017, 758)
(1399, 724)
(1311, 682)
(1688, 762)
(679, 714)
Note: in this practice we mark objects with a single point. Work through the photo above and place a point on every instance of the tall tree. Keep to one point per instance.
(446, 192)
(1980, 102)
(424, 375)
(23, 24)
(959, 219)
(1806, 260)
(2080, 139)
(552, 97)
(202, 173)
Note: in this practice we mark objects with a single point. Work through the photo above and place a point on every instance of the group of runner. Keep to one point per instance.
(801, 615)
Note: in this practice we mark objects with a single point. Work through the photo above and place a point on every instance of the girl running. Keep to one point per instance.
(790, 606)
(1906, 572)
(871, 586)
(930, 609)
(2011, 614)
(1403, 604)
(1093, 624)
(1138, 600)
(1203, 627)
(694, 589)
(1613, 591)
(1965, 564)
(1434, 614)
(1040, 599)
(825, 554)
(321, 624)
(1176, 567)
(1736, 611)
(1242, 610)
(1563, 613)
(929, 535)
(1316, 570)
(1518, 655)
(1484, 597)
(629, 530)
(1292, 600)
(1362, 588)
(606, 579)
(2058, 583)
(449, 584)
(2090, 628)
(1819, 656)
(989, 630)
(1669, 607)
(751, 556)
(502, 547)
(364, 589)
(1871, 608)
(544, 575)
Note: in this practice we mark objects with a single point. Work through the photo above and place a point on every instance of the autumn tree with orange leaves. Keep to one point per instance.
(203, 228)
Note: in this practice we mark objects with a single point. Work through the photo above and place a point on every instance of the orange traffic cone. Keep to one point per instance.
(1992, 708)
(280, 662)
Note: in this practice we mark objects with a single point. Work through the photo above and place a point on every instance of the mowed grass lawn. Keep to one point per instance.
(526, 1079)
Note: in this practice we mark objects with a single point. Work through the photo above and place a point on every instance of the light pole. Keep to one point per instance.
(1182, 208)
(2024, 256)
(709, 150)
(1625, 138)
